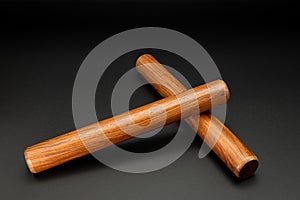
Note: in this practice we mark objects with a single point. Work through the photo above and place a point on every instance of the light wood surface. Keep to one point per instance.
(102, 134)
(237, 157)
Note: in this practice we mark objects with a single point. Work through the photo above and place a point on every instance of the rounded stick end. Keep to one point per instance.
(221, 83)
(145, 58)
(249, 168)
(28, 161)
(226, 88)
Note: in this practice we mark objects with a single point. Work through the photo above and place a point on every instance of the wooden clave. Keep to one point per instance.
(102, 134)
(238, 158)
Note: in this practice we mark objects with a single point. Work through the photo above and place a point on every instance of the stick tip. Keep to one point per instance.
(220, 84)
(28, 161)
(249, 168)
(143, 59)
(227, 91)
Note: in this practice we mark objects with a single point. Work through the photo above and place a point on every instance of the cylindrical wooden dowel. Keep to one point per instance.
(238, 158)
(94, 137)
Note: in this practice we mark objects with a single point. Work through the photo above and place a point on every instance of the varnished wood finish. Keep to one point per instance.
(238, 158)
(102, 134)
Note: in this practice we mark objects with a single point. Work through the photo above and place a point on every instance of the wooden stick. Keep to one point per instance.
(102, 134)
(238, 158)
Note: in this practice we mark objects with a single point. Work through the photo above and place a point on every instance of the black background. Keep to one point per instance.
(255, 44)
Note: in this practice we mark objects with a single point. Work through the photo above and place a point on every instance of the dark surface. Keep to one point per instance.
(255, 45)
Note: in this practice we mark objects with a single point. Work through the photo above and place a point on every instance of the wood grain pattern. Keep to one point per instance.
(238, 158)
(102, 134)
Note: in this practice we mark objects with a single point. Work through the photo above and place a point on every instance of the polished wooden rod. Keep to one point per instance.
(237, 157)
(102, 134)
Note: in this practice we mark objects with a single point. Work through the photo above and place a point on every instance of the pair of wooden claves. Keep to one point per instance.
(178, 102)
